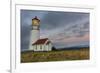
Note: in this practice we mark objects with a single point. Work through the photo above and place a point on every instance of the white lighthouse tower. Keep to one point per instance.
(35, 32)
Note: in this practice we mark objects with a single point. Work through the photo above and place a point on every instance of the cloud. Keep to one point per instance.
(72, 29)
(53, 20)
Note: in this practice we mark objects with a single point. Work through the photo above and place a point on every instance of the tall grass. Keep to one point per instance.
(62, 55)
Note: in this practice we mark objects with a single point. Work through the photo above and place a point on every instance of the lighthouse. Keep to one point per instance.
(35, 32)
(37, 43)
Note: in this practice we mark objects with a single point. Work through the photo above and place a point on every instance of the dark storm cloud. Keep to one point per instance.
(57, 19)
(25, 32)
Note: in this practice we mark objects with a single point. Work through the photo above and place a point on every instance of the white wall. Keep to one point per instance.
(34, 36)
(42, 47)
(50, 47)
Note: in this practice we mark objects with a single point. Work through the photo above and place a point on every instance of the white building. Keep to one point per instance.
(42, 45)
(37, 44)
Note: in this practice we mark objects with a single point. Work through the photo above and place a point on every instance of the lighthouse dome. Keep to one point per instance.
(35, 21)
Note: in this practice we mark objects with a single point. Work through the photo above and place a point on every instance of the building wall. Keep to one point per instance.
(34, 36)
(50, 46)
(46, 47)
(42, 47)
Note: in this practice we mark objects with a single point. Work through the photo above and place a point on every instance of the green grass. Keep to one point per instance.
(62, 55)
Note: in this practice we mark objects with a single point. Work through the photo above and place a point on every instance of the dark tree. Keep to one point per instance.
(53, 48)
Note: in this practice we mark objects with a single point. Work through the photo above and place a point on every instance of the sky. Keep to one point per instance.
(64, 29)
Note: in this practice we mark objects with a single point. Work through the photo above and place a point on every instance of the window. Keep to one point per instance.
(36, 47)
(40, 46)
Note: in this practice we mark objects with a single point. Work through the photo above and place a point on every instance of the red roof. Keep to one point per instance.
(40, 41)
(48, 42)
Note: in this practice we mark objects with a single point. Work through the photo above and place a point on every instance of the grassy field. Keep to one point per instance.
(62, 55)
